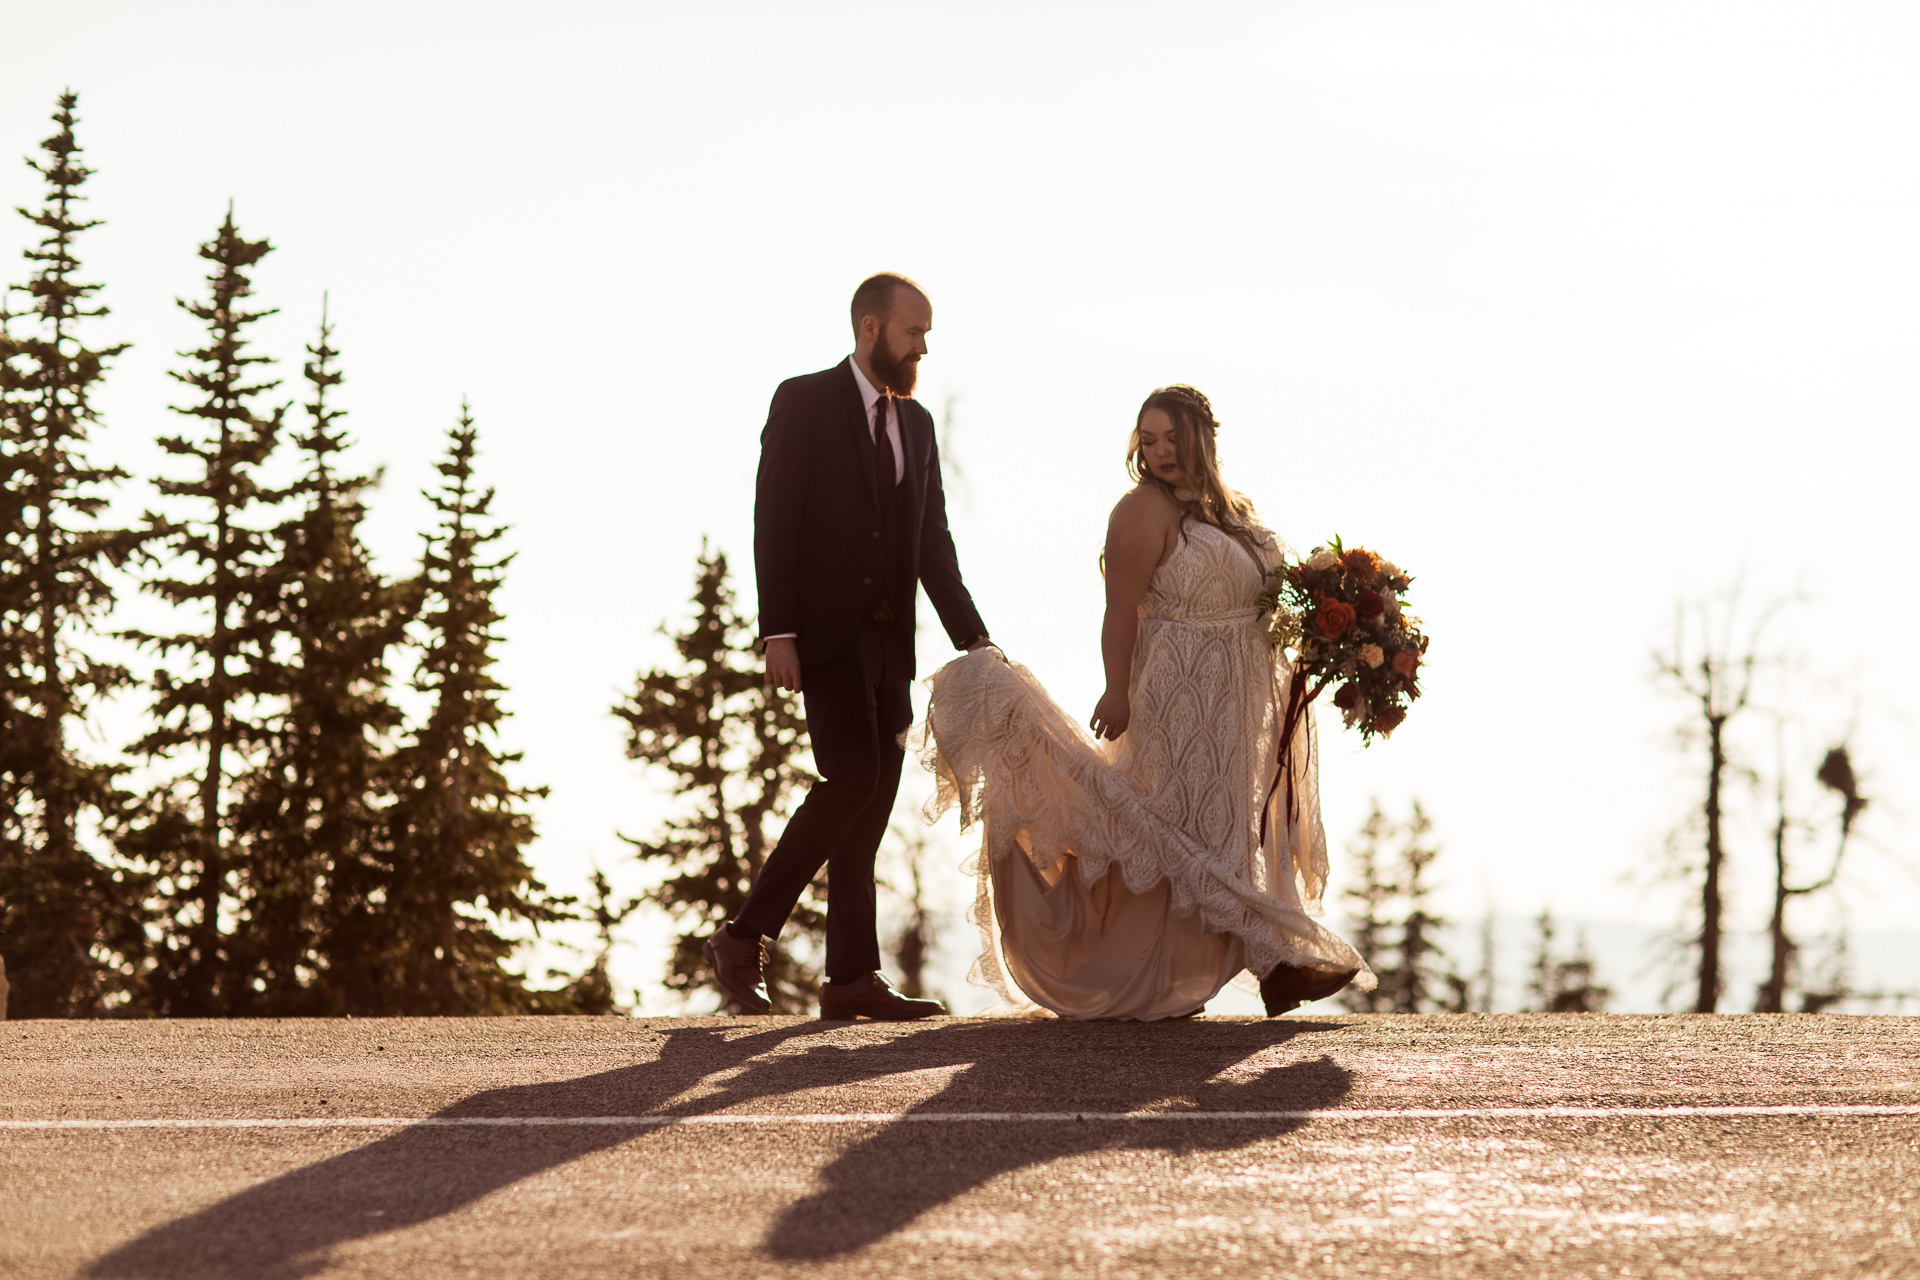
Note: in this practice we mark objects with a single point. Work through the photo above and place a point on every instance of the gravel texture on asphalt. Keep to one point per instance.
(1217, 1146)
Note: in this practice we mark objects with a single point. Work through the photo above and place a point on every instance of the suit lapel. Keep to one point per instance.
(909, 454)
(862, 431)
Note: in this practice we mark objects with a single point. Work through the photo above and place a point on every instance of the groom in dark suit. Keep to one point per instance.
(849, 522)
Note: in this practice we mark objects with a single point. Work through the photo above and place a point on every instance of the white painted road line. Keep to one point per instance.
(1789, 1110)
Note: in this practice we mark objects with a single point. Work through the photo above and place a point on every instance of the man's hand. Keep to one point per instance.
(982, 643)
(783, 664)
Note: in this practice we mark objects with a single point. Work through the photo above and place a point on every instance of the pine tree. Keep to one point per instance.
(207, 717)
(591, 992)
(1426, 979)
(1486, 980)
(1540, 983)
(70, 923)
(308, 814)
(1562, 984)
(1404, 952)
(732, 746)
(1369, 898)
(1422, 971)
(426, 940)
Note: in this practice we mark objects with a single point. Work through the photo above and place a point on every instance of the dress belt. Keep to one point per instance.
(1241, 615)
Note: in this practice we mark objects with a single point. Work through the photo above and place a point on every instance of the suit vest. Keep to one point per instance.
(894, 587)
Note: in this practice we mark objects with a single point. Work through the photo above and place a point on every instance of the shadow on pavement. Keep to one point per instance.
(286, 1227)
(882, 1184)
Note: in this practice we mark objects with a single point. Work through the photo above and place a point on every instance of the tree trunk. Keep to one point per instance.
(1708, 997)
(202, 975)
(53, 708)
(78, 987)
(1773, 996)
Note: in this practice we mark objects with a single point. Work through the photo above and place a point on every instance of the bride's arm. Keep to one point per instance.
(1139, 535)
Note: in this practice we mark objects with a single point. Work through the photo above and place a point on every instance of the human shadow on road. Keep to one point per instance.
(882, 1184)
(287, 1227)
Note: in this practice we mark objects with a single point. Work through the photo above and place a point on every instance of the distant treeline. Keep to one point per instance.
(1393, 923)
(278, 838)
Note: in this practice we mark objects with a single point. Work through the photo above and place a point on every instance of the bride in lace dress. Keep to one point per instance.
(1134, 874)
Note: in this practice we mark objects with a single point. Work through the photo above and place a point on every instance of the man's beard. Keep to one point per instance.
(896, 373)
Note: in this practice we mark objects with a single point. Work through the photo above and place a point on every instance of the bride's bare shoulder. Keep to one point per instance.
(1145, 506)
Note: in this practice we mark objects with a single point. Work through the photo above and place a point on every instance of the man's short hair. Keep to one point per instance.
(874, 297)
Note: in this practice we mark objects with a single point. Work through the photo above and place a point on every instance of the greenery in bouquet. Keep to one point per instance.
(1342, 614)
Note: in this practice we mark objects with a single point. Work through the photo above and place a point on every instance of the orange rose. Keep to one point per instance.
(1333, 617)
(1406, 663)
(1362, 564)
(1387, 721)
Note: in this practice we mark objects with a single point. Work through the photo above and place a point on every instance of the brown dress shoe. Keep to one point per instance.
(1288, 986)
(873, 996)
(739, 966)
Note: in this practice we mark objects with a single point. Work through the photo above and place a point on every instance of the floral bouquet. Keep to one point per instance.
(1341, 613)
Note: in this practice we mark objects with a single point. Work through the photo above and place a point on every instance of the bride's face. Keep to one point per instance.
(1160, 446)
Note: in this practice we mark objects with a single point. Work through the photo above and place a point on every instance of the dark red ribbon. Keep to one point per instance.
(1298, 696)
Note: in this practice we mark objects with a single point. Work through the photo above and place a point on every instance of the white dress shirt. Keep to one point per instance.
(869, 394)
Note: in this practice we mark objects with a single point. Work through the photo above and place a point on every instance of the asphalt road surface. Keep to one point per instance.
(1466, 1145)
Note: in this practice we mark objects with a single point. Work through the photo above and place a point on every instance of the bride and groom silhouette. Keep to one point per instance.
(1127, 872)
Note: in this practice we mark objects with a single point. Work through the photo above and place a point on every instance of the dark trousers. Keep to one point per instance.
(858, 703)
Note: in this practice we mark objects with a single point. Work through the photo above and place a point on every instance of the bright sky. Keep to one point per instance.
(1576, 310)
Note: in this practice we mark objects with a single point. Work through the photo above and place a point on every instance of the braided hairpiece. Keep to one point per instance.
(1199, 400)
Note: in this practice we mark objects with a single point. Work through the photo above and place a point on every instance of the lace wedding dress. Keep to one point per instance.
(1130, 879)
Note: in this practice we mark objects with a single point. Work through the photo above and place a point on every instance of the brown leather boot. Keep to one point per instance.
(1288, 986)
(872, 996)
(740, 967)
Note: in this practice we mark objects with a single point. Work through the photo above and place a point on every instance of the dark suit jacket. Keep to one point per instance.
(817, 523)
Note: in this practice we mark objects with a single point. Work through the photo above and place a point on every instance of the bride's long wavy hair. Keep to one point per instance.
(1206, 496)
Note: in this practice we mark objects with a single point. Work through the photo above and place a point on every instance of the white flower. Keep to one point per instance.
(1322, 558)
(1372, 655)
(1389, 570)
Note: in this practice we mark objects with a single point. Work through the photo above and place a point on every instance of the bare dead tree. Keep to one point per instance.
(1716, 674)
(1836, 775)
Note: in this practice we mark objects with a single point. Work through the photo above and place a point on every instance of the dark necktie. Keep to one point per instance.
(883, 467)
(882, 447)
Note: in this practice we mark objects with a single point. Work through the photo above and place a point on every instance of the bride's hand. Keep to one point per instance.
(1110, 715)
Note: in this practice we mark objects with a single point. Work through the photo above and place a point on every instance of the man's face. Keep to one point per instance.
(901, 341)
